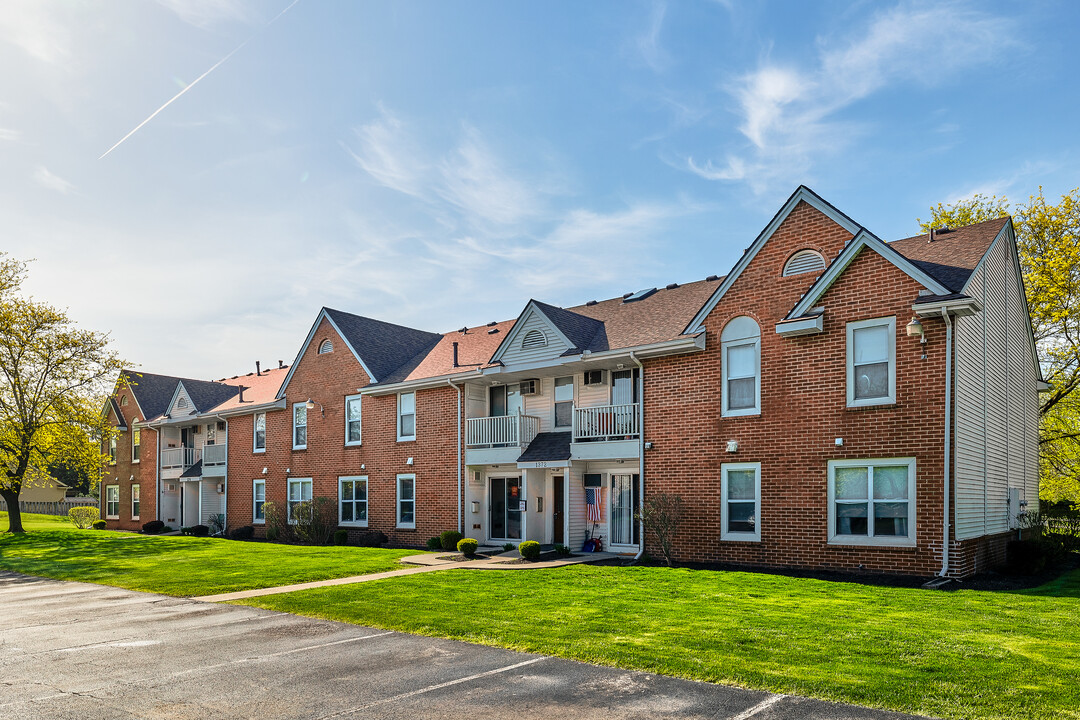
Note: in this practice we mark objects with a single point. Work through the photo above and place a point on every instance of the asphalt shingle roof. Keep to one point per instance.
(384, 347)
(547, 446)
(952, 256)
(206, 394)
(580, 330)
(153, 392)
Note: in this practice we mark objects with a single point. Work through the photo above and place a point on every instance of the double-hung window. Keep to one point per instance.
(299, 426)
(112, 502)
(740, 490)
(259, 439)
(136, 441)
(872, 502)
(871, 362)
(406, 501)
(112, 450)
(352, 501)
(564, 402)
(258, 501)
(352, 420)
(135, 502)
(299, 491)
(406, 416)
(740, 361)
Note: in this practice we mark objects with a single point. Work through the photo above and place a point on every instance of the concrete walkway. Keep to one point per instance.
(428, 562)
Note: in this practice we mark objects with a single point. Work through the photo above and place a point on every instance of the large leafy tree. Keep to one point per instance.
(1048, 240)
(54, 378)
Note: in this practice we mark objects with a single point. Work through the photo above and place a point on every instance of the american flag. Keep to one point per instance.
(592, 503)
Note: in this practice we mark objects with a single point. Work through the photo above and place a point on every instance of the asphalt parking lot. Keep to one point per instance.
(73, 650)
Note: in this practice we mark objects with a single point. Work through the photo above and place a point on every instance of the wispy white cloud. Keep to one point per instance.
(789, 115)
(387, 153)
(204, 13)
(475, 181)
(648, 42)
(49, 181)
(9, 135)
(36, 29)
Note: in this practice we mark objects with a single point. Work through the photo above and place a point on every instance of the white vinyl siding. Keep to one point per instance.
(353, 501)
(299, 426)
(112, 502)
(406, 501)
(258, 501)
(871, 362)
(181, 404)
(352, 420)
(740, 498)
(515, 353)
(212, 501)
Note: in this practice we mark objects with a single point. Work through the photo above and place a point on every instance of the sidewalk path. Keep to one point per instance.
(244, 594)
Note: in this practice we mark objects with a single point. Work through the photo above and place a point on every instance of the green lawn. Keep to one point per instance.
(183, 566)
(963, 654)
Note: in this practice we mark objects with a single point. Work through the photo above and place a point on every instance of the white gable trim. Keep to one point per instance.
(802, 194)
(512, 337)
(307, 341)
(176, 394)
(864, 239)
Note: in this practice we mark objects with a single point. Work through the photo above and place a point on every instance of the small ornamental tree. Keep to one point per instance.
(661, 515)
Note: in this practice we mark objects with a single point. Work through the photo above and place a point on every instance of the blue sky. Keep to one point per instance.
(438, 164)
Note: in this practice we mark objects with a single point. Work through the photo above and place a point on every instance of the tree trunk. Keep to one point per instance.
(11, 497)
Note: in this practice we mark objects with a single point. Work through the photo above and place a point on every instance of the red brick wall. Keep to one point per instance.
(804, 409)
(126, 473)
(328, 379)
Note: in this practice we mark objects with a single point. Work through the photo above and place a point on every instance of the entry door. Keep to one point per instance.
(623, 502)
(558, 512)
(504, 509)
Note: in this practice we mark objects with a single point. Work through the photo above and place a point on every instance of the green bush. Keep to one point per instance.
(83, 517)
(341, 537)
(244, 532)
(434, 544)
(562, 551)
(314, 521)
(467, 546)
(507, 547)
(100, 525)
(154, 527)
(530, 549)
(449, 539)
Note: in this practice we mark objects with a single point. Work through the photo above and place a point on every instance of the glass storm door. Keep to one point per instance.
(624, 495)
(504, 510)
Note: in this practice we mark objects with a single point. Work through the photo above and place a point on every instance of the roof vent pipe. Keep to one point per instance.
(455, 354)
(258, 371)
(280, 364)
(242, 389)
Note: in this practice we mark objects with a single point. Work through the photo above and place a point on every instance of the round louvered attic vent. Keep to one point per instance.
(533, 339)
(804, 261)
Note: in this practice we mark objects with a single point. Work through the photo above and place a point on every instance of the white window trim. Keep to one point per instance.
(397, 506)
(294, 426)
(255, 433)
(348, 399)
(573, 401)
(288, 495)
(112, 449)
(135, 432)
(889, 399)
(254, 498)
(397, 418)
(107, 501)
(740, 536)
(869, 539)
(741, 412)
(354, 478)
(134, 488)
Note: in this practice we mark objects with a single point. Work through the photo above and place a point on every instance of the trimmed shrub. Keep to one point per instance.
(341, 537)
(154, 527)
(247, 532)
(83, 517)
(434, 544)
(315, 521)
(449, 539)
(200, 531)
(166, 529)
(562, 551)
(530, 549)
(100, 525)
(467, 546)
(372, 538)
(507, 547)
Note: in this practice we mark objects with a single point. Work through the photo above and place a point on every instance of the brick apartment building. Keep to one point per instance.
(834, 402)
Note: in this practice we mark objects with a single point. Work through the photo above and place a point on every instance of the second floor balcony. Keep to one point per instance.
(178, 460)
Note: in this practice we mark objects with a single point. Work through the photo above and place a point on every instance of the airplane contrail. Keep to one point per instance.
(216, 65)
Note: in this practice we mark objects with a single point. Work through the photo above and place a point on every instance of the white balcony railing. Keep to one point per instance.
(507, 431)
(214, 455)
(179, 458)
(607, 422)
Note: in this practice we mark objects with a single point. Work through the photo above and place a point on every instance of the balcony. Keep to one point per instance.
(213, 460)
(498, 439)
(174, 461)
(605, 432)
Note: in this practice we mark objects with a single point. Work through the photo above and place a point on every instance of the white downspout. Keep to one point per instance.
(460, 519)
(641, 455)
(225, 522)
(157, 472)
(948, 439)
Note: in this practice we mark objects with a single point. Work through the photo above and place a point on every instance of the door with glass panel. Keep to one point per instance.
(505, 401)
(504, 508)
(624, 496)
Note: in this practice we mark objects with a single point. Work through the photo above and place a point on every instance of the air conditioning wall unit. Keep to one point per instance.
(529, 387)
(595, 377)
(592, 480)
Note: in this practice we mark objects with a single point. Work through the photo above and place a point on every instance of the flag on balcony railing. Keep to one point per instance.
(593, 498)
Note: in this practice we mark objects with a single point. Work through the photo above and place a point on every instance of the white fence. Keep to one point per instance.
(214, 455)
(52, 508)
(179, 458)
(507, 431)
(607, 422)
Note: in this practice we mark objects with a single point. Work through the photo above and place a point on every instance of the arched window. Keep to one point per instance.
(533, 339)
(740, 345)
(804, 261)
(326, 346)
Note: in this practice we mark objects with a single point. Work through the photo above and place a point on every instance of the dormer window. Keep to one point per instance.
(533, 339)
(804, 261)
(326, 346)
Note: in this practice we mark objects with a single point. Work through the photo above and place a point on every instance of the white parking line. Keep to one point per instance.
(430, 688)
(751, 712)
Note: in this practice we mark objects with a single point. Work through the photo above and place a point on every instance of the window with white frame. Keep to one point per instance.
(112, 502)
(136, 444)
(258, 501)
(740, 513)
(112, 450)
(352, 501)
(406, 501)
(406, 416)
(134, 502)
(352, 420)
(871, 362)
(740, 347)
(299, 426)
(211, 434)
(872, 502)
(259, 439)
(564, 402)
(299, 491)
